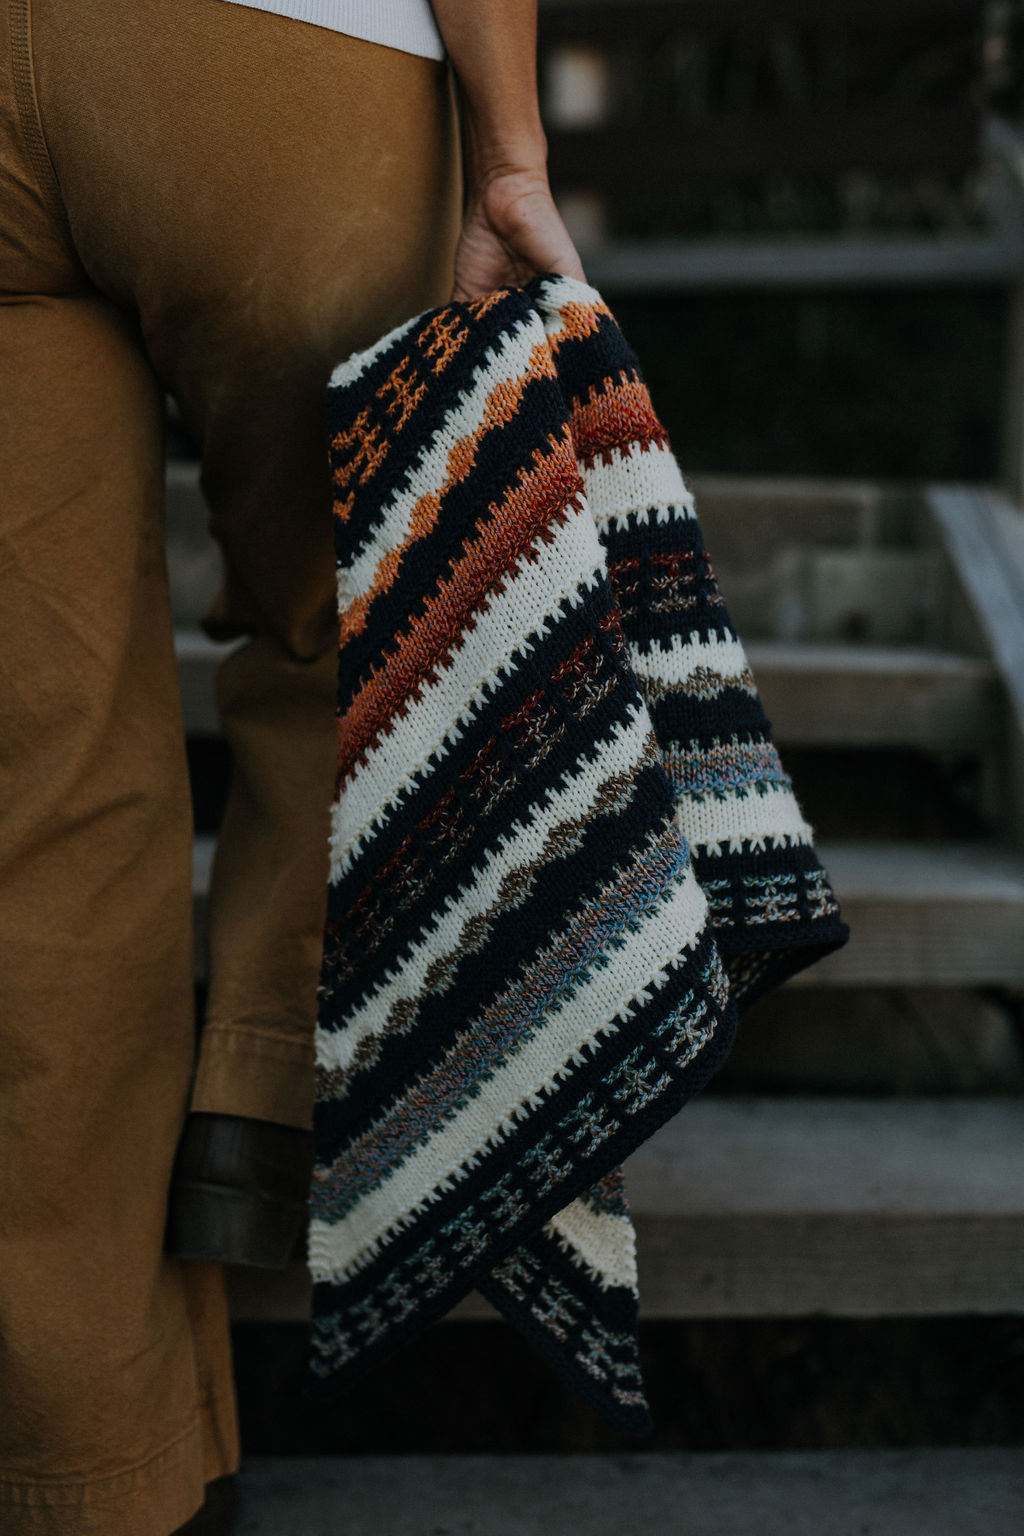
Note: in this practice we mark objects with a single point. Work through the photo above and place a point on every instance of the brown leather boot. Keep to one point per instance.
(217, 1516)
(239, 1191)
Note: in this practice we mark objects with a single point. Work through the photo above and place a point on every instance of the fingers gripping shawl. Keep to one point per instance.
(564, 850)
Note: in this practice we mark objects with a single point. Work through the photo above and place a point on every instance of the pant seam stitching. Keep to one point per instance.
(82, 1486)
(27, 99)
(298, 1047)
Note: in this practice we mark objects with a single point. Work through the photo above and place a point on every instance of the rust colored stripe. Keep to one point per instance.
(621, 416)
(531, 510)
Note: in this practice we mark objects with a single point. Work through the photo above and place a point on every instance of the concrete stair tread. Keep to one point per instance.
(925, 914)
(948, 1491)
(874, 660)
(781, 1156)
(972, 870)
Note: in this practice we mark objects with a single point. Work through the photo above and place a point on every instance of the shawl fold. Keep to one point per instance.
(564, 852)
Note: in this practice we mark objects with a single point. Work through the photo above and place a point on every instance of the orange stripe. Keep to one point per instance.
(500, 409)
(531, 510)
(577, 321)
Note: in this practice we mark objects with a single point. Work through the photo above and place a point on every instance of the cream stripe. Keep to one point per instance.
(604, 1242)
(557, 294)
(519, 1084)
(680, 659)
(336, 1048)
(569, 290)
(560, 572)
(768, 817)
(640, 481)
(643, 479)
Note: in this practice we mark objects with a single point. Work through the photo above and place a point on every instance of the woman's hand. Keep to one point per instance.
(511, 231)
(511, 228)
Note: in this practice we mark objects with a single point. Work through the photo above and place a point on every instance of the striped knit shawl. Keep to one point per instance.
(564, 851)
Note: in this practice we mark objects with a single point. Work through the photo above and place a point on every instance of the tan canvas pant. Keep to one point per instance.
(206, 199)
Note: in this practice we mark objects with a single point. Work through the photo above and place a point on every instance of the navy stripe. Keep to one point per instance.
(680, 719)
(609, 1314)
(588, 364)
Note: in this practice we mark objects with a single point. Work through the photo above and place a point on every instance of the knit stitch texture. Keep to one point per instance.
(564, 851)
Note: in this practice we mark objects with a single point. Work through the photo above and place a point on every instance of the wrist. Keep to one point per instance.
(492, 149)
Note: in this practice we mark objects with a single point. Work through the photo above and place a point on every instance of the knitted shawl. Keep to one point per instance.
(564, 851)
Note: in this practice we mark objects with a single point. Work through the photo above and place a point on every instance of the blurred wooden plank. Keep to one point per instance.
(640, 152)
(757, 1207)
(667, 264)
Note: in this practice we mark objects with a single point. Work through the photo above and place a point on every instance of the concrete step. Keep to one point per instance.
(826, 560)
(815, 561)
(943, 914)
(829, 695)
(821, 562)
(193, 559)
(952, 1491)
(882, 1040)
(931, 914)
(784, 1207)
(198, 659)
(815, 695)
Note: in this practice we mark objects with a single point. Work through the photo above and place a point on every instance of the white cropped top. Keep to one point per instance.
(405, 24)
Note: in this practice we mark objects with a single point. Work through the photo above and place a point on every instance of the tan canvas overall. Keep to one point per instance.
(205, 199)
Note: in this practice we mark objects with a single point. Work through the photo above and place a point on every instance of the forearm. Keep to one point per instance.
(492, 45)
